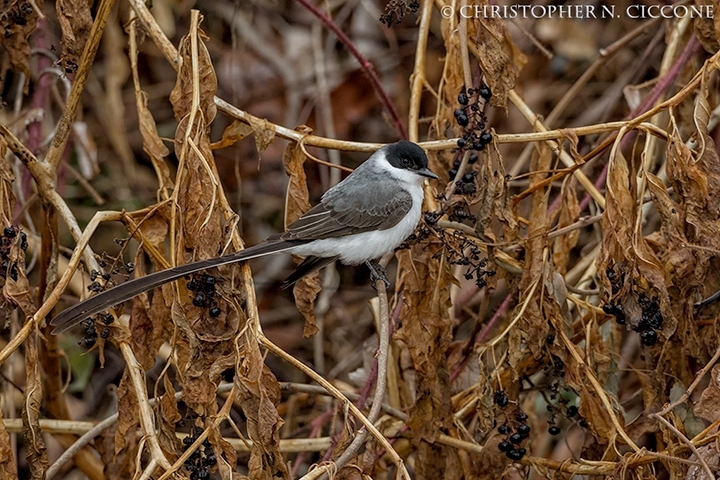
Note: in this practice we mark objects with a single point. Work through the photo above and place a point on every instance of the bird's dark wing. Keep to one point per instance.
(359, 207)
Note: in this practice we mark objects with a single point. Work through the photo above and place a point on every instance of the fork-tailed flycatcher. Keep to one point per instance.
(360, 219)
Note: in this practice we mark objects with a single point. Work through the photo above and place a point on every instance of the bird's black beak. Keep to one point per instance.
(425, 172)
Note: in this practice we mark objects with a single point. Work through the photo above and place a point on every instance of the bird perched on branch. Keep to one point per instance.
(360, 219)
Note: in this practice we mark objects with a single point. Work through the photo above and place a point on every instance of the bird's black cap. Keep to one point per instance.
(407, 155)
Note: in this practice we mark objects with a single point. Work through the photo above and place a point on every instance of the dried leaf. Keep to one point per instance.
(8, 467)
(232, 134)
(563, 245)
(182, 96)
(34, 442)
(296, 203)
(426, 332)
(708, 407)
(75, 22)
(263, 131)
(17, 22)
(706, 26)
(17, 287)
(592, 409)
(258, 394)
(500, 59)
(152, 143)
(167, 416)
(128, 409)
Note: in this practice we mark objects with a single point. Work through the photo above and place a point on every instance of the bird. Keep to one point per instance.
(362, 218)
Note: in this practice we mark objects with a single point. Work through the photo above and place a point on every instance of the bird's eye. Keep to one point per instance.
(405, 162)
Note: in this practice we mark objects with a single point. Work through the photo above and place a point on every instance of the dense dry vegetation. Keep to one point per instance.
(543, 321)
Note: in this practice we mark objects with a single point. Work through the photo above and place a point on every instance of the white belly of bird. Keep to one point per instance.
(358, 248)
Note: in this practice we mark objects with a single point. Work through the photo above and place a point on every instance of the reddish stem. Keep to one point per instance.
(366, 66)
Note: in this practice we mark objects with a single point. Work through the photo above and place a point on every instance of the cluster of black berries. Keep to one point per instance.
(18, 17)
(471, 117)
(204, 288)
(125, 269)
(615, 309)
(8, 268)
(91, 332)
(200, 460)
(467, 254)
(563, 408)
(465, 185)
(515, 431)
(650, 322)
(395, 11)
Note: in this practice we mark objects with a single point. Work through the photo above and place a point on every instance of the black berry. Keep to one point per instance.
(554, 430)
(504, 446)
(500, 398)
(215, 312)
(485, 92)
(649, 338)
(514, 455)
(199, 300)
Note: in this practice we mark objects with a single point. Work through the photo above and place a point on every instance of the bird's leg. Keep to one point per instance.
(377, 272)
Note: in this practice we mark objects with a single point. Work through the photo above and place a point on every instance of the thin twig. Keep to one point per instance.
(698, 378)
(366, 66)
(339, 396)
(686, 441)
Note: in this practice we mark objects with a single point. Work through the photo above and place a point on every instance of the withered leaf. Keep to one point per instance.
(17, 24)
(599, 420)
(706, 26)
(75, 22)
(167, 416)
(152, 143)
(34, 442)
(499, 57)
(182, 94)
(563, 245)
(427, 332)
(8, 467)
(232, 134)
(709, 405)
(127, 413)
(297, 202)
(263, 131)
(258, 393)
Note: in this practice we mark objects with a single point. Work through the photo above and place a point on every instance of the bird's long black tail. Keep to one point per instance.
(125, 291)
